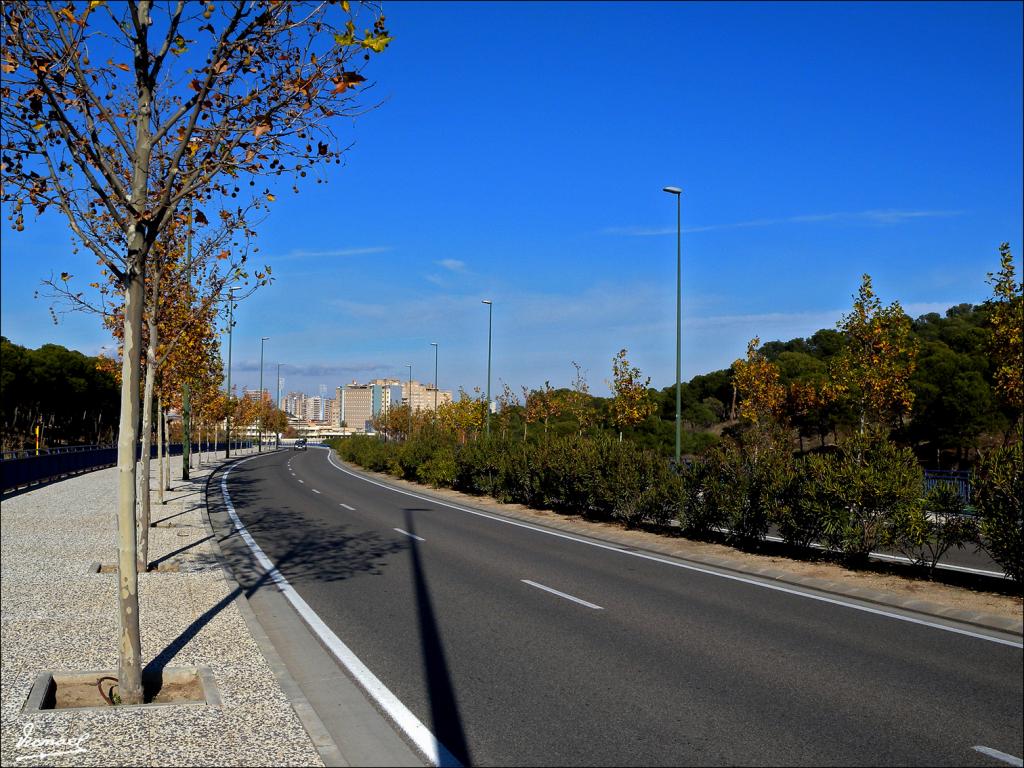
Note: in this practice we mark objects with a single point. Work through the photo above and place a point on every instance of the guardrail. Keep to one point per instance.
(19, 469)
(961, 480)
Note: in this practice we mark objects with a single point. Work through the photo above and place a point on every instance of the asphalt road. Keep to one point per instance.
(630, 660)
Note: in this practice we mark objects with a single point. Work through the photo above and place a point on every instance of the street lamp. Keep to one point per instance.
(679, 294)
(277, 406)
(231, 326)
(262, 339)
(434, 345)
(490, 315)
(409, 404)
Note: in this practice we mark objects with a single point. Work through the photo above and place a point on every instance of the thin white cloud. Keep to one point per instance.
(869, 217)
(333, 253)
(453, 265)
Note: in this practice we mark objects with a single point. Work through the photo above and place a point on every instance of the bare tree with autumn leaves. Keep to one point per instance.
(632, 402)
(117, 113)
(872, 372)
(1007, 341)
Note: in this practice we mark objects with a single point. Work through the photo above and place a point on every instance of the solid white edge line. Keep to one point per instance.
(350, 509)
(901, 559)
(562, 594)
(687, 566)
(425, 741)
(410, 535)
(1000, 756)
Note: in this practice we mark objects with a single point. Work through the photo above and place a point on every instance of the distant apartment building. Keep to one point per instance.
(254, 394)
(356, 405)
(422, 396)
(294, 404)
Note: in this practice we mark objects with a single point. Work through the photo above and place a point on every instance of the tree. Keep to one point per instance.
(121, 145)
(873, 370)
(758, 388)
(1007, 324)
(578, 401)
(632, 403)
(541, 405)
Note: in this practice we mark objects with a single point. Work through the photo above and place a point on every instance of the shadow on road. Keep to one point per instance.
(444, 708)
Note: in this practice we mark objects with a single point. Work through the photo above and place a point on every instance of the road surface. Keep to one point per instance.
(519, 646)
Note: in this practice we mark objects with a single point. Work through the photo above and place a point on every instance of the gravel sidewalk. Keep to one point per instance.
(56, 615)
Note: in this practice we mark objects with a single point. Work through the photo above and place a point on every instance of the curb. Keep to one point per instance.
(863, 594)
(317, 732)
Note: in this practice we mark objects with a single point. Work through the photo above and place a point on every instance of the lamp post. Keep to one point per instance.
(409, 403)
(260, 430)
(679, 294)
(231, 326)
(490, 315)
(277, 406)
(434, 345)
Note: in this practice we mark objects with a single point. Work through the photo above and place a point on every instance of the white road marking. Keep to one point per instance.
(1010, 759)
(901, 559)
(562, 594)
(302, 481)
(410, 535)
(350, 509)
(315, 491)
(688, 567)
(435, 752)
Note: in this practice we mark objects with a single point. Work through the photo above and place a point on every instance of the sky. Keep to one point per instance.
(518, 153)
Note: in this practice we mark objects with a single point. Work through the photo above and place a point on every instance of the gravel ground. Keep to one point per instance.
(55, 615)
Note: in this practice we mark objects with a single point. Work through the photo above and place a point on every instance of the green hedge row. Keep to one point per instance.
(864, 495)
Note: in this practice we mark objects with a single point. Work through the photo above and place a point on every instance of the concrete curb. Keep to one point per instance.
(318, 734)
(875, 597)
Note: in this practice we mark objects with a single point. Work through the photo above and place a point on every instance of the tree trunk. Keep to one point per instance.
(129, 665)
(160, 447)
(147, 431)
(167, 452)
(186, 431)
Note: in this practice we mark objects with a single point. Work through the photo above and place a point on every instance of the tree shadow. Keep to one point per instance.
(310, 552)
(444, 707)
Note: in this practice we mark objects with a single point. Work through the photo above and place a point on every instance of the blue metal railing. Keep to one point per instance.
(23, 468)
(961, 480)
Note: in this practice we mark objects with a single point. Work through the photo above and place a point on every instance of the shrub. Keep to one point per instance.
(749, 484)
(697, 516)
(801, 520)
(859, 490)
(999, 497)
(925, 533)
(440, 469)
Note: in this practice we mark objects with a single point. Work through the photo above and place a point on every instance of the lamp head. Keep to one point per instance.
(672, 190)
(485, 301)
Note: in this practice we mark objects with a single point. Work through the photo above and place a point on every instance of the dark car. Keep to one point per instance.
(300, 444)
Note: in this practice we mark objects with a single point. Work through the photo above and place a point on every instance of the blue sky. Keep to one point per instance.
(519, 152)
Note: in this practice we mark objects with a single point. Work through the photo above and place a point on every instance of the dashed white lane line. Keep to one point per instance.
(302, 481)
(1008, 759)
(561, 594)
(350, 509)
(315, 491)
(410, 535)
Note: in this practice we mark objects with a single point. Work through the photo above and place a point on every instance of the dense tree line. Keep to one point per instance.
(955, 410)
(69, 395)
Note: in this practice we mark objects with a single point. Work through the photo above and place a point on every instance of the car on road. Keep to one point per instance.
(300, 444)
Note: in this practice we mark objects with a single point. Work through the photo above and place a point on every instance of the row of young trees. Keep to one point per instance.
(154, 130)
(864, 491)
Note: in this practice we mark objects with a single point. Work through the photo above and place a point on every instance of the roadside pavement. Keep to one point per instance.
(58, 614)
